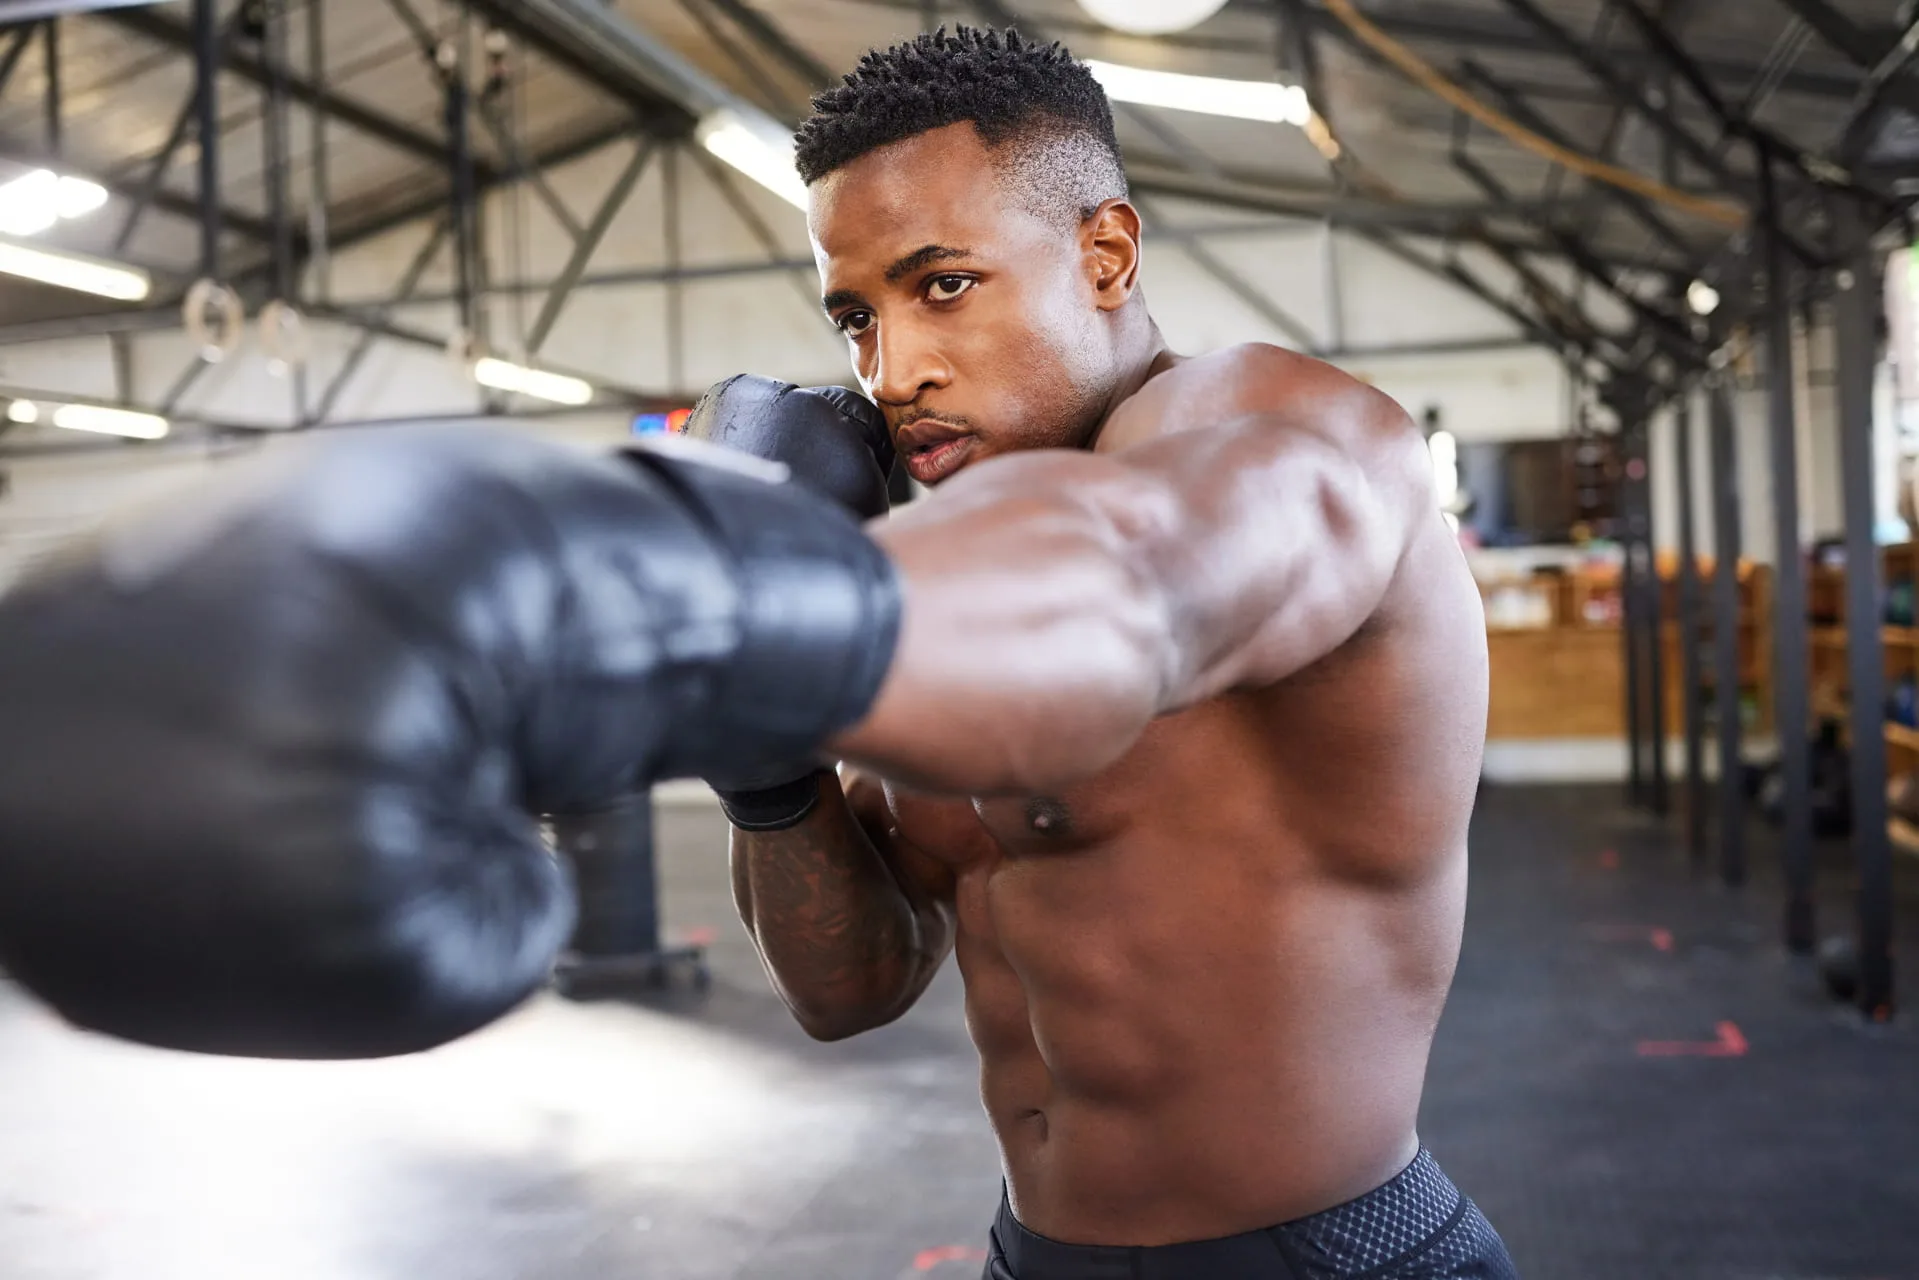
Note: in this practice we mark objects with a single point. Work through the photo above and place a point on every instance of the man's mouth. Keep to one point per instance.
(933, 462)
(933, 450)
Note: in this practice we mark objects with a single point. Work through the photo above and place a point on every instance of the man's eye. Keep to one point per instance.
(947, 288)
(855, 323)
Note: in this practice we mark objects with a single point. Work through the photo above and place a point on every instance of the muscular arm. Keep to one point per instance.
(850, 926)
(1234, 527)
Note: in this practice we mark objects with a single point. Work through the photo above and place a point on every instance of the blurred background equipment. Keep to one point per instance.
(1642, 270)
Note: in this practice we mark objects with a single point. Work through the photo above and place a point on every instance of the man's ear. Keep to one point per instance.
(1110, 243)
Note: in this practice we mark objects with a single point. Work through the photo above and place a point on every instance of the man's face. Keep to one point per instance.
(972, 321)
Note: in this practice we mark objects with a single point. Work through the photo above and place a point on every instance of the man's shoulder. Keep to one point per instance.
(1259, 378)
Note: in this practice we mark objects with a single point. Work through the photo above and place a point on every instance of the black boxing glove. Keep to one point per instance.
(835, 442)
(274, 752)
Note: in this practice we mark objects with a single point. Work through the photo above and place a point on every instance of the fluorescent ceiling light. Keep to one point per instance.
(1702, 298)
(24, 412)
(31, 204)
(1264, 100)
(762, 152)
(557, 387)
(74, 271)
(110, 422)
(77, 197)
(1152, 17)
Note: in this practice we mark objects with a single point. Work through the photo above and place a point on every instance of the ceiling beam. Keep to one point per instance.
(435, 197)
(1482, 33)
(1859, 46)
(394, 132)
(596, 53)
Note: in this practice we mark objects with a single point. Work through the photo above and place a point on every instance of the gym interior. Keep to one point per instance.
(1641, 270)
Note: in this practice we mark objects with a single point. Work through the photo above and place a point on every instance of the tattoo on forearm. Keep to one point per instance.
(828, 915)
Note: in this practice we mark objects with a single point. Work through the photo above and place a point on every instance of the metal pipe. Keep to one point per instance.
(56, 96)
(675, 292)
(320, 188)
(1690, 633)
(460, 139)
(121, 345)
(1725, 637)
(206, 46)
(1335, 292)
(1855, 319)
(1791, 650)
(274, 146)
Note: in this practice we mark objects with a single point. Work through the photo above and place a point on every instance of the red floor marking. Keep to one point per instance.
(1609, 860)
(930, 1258)
(1661, 939)
(1730, 1044)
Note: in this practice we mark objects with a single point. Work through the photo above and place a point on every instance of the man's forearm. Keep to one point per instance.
(838, 935)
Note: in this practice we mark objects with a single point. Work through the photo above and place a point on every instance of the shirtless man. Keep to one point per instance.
(1193, 632)
(1204, 983)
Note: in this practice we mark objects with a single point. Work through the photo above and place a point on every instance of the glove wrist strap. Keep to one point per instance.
(778, 808)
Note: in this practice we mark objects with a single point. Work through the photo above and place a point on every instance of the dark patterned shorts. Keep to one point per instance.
(1416, 1227)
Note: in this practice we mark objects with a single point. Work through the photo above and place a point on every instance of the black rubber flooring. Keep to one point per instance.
(1632, 1079)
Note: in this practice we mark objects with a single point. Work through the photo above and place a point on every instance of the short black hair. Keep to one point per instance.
(1009, 88)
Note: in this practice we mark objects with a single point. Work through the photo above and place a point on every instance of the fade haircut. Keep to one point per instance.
(1039, 111)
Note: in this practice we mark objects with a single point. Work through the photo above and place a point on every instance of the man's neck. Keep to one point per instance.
(1146, 358)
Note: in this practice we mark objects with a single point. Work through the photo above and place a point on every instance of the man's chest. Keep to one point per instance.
(1164, 780)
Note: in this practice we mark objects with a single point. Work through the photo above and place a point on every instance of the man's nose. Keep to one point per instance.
(906, 365)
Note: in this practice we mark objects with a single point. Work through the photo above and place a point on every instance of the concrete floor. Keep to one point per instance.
(699, 1139)
(707, 1138)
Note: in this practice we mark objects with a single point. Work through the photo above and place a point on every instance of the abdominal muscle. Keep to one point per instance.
(1191, 1069)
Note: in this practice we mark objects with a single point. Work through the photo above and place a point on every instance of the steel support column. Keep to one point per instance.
(675, 259)
(1856, 316)
(1690, 632)
(1650, 611)
(1792, 658)
(56, 91)
(206, 47)
(1631, 609)
(1727, 715)
(320, 183)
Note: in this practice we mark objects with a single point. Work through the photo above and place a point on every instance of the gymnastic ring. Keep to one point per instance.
(215, 320)
(283, 336)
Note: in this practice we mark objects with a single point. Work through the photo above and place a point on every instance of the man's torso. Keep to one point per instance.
(1204, 984)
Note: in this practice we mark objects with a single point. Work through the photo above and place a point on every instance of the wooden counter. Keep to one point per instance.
(1562, 682)
(1568, 680)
